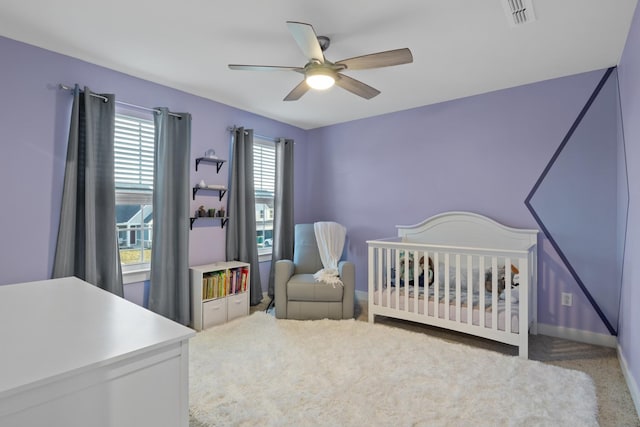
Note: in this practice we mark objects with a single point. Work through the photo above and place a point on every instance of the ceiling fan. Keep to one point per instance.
(321, 74)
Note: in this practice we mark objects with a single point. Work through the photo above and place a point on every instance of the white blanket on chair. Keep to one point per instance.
(330, 237)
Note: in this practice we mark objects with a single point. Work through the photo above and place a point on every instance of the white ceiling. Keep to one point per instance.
(460, 47)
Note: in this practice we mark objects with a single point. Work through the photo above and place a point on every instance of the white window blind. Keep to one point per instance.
(264, 176)
(134, 162)
(134, 153)
(264, 168)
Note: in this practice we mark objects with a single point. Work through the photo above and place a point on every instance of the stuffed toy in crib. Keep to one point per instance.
(515, 278)
(411, 270)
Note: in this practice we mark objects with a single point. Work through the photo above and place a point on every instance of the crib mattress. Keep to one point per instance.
(380, 299)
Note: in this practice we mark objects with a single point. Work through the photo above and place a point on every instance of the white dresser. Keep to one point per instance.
(73, 355)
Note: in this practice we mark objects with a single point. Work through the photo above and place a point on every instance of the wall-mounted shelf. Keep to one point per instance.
(221, 191)
(217, 162)
(223, 220)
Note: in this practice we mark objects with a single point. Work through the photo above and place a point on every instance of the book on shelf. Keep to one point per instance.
(245, 274)
(214, 285)
(233, 281)
(218, 284)
(214, 292)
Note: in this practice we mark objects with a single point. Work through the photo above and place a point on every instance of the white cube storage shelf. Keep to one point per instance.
(219, 293)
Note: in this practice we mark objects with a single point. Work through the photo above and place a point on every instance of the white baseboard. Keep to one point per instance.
(578, 335)
(631, 382)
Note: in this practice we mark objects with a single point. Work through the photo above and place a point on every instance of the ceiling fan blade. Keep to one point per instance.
(307, 39)
(356, 87)
(264, 68)
(297, 92)
(377, 60)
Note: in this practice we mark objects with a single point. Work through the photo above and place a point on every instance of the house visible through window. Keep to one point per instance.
(264, 172)
(134, 160)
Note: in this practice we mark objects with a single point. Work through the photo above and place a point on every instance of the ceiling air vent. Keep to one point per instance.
(519, 11)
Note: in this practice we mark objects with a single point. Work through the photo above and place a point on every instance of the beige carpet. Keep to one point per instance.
(615, 406)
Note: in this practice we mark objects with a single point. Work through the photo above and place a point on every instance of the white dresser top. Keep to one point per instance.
(59, 327)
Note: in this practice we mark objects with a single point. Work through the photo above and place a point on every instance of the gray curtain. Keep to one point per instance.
(241, 228)
(282, 209)
(87, 245)
(169, 289)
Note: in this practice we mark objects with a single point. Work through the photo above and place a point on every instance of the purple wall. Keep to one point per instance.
(480, 154)
(34, 117)
(629, 72)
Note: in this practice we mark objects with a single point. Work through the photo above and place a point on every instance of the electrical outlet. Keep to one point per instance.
(567, 299)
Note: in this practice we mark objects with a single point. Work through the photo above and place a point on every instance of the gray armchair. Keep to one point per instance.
(299, 296)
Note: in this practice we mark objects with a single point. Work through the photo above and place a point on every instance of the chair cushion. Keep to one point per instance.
(303, 287)
(306, 255)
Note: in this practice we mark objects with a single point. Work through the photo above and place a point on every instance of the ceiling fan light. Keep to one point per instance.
(320, 79)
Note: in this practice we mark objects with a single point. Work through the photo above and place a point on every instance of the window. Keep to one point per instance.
(264, 174)
(134, 160)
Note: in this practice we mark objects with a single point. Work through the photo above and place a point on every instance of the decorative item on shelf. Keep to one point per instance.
(221, 212)
(201, 212)
(212, 212)
(210, 154)
(202, 184)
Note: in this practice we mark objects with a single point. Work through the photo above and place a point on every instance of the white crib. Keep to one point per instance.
(473, 258)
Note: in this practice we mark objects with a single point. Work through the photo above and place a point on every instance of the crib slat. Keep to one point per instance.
(407, 265)
(416, 280)
(469, 289)
(389, 260)
(494, 292)
(481, 292)
(436, 283)
(379, 277)
(458, 287)
(447, 279)
(507, 295)
(397, 276)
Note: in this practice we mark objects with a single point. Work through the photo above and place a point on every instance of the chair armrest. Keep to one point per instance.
(284, 271)
(347, 272)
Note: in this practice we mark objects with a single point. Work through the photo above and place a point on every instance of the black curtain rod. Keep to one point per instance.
(268, 138)
(105, 99)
